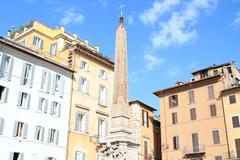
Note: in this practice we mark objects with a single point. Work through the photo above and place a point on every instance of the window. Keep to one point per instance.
(83, 85)
(6, 66)
(81, 122)
(102, 95)
(16, 156)
(235, 121)
(2, 121)
(53, 136)
(204, 74)
(145, 118)
(211, 92)
(27, 74)
(176, 142)
(58, 85)
(237, 145)
(232, 99)
(193, 114)
(173, 101)
(3, 94)
(79, 155)
(229, 69)
(42, 105)
(216, 137)
(213, 111)
(102, 74)
(39, 133)
(84, 66)
(146, 149)
(191, 96)
(218, 158)
(46, 81)
(215, 72)
(174, 118)
(55, 109)
(20, 129)
(53, 49)
(102, 128)
(37, 42)
(24, 100)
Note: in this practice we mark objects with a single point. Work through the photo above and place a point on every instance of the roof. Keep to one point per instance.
(231, 90)
(143, 104)
(213, 67)
(30, 52)
(161, 92)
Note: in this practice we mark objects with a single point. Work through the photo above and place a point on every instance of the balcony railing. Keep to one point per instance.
(194, 151)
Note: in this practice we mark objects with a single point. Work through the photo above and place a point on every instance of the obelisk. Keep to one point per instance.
(120, 132)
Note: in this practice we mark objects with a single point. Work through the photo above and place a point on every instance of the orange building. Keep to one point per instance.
(195, 118)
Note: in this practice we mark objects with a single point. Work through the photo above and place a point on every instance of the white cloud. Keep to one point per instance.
(179, 28)
(173, 72)
(236, 21)
(70, 16)
(151, 15)
(130, 20)
(103, 3)
(152, 61)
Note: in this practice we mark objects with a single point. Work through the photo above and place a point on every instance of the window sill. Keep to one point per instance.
(4, 79)
(25, 108)
(102, 105)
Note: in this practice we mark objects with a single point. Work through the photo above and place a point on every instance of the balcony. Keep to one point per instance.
(194, 152)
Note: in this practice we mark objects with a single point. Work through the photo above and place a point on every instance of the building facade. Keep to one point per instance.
(193, 116)
(145, 130)
(34, 104)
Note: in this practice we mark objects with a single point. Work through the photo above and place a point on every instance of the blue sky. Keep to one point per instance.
(167, 39)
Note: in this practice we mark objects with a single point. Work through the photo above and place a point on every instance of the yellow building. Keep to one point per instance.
(144, 130)
(92, 84)
(231, 101)
(193, 116)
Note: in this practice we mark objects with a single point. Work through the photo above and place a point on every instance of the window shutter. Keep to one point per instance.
(41, 41)
(40, 104)
(213, 111)
(45, 109)
(51, 50)
(143, 117)
(32, 76)
(49, 135)
(57, 136)
(216, 138)
(23, 72)
(52, 107)
(106, 97)
(86, 123)
(36, 132)
(15, 129)
(54, 84)
(62, 87)
(25, 127)
(211, 92)
(19, 98)
(42, 134)
(11, 156)
(106, 127)
(81, 64)
(21, 156)
(59, 109)
(87, 86)
(10, 69)
(83, 156)
(147, 120)
(77, 127)
(87, 67)
(34, 40)
(2, 121)
(49, 77)
(6, 95)
(28, 101)
(42, 79)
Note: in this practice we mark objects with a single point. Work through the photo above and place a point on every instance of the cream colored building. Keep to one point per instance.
(91, 85)
(193, 115)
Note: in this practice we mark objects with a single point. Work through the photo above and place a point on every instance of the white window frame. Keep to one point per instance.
(83, 85)
(2, 123)
(20, 129)
(80, 152)
(58, 85)
(24, 100)
(55, 109)
(102, 74)
(27, 74)
(46, 81)
(81, 122)
(53, 135)
(39, 133)
(83, 65)
(102, 127)
(6, 71)
(53, 49)
(42, 105)
(21, 155)
(38, 42)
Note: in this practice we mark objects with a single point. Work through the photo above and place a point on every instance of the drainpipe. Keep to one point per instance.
(225, 125)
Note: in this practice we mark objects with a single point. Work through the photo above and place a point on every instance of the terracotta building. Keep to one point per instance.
(197, 120)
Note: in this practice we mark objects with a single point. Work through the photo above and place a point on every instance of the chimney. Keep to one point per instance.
(86, 42)
(97, 48)
(8, 34)
(61, 29)
(74, 35)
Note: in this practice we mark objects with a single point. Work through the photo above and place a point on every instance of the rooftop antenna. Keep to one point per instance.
(121, 9)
